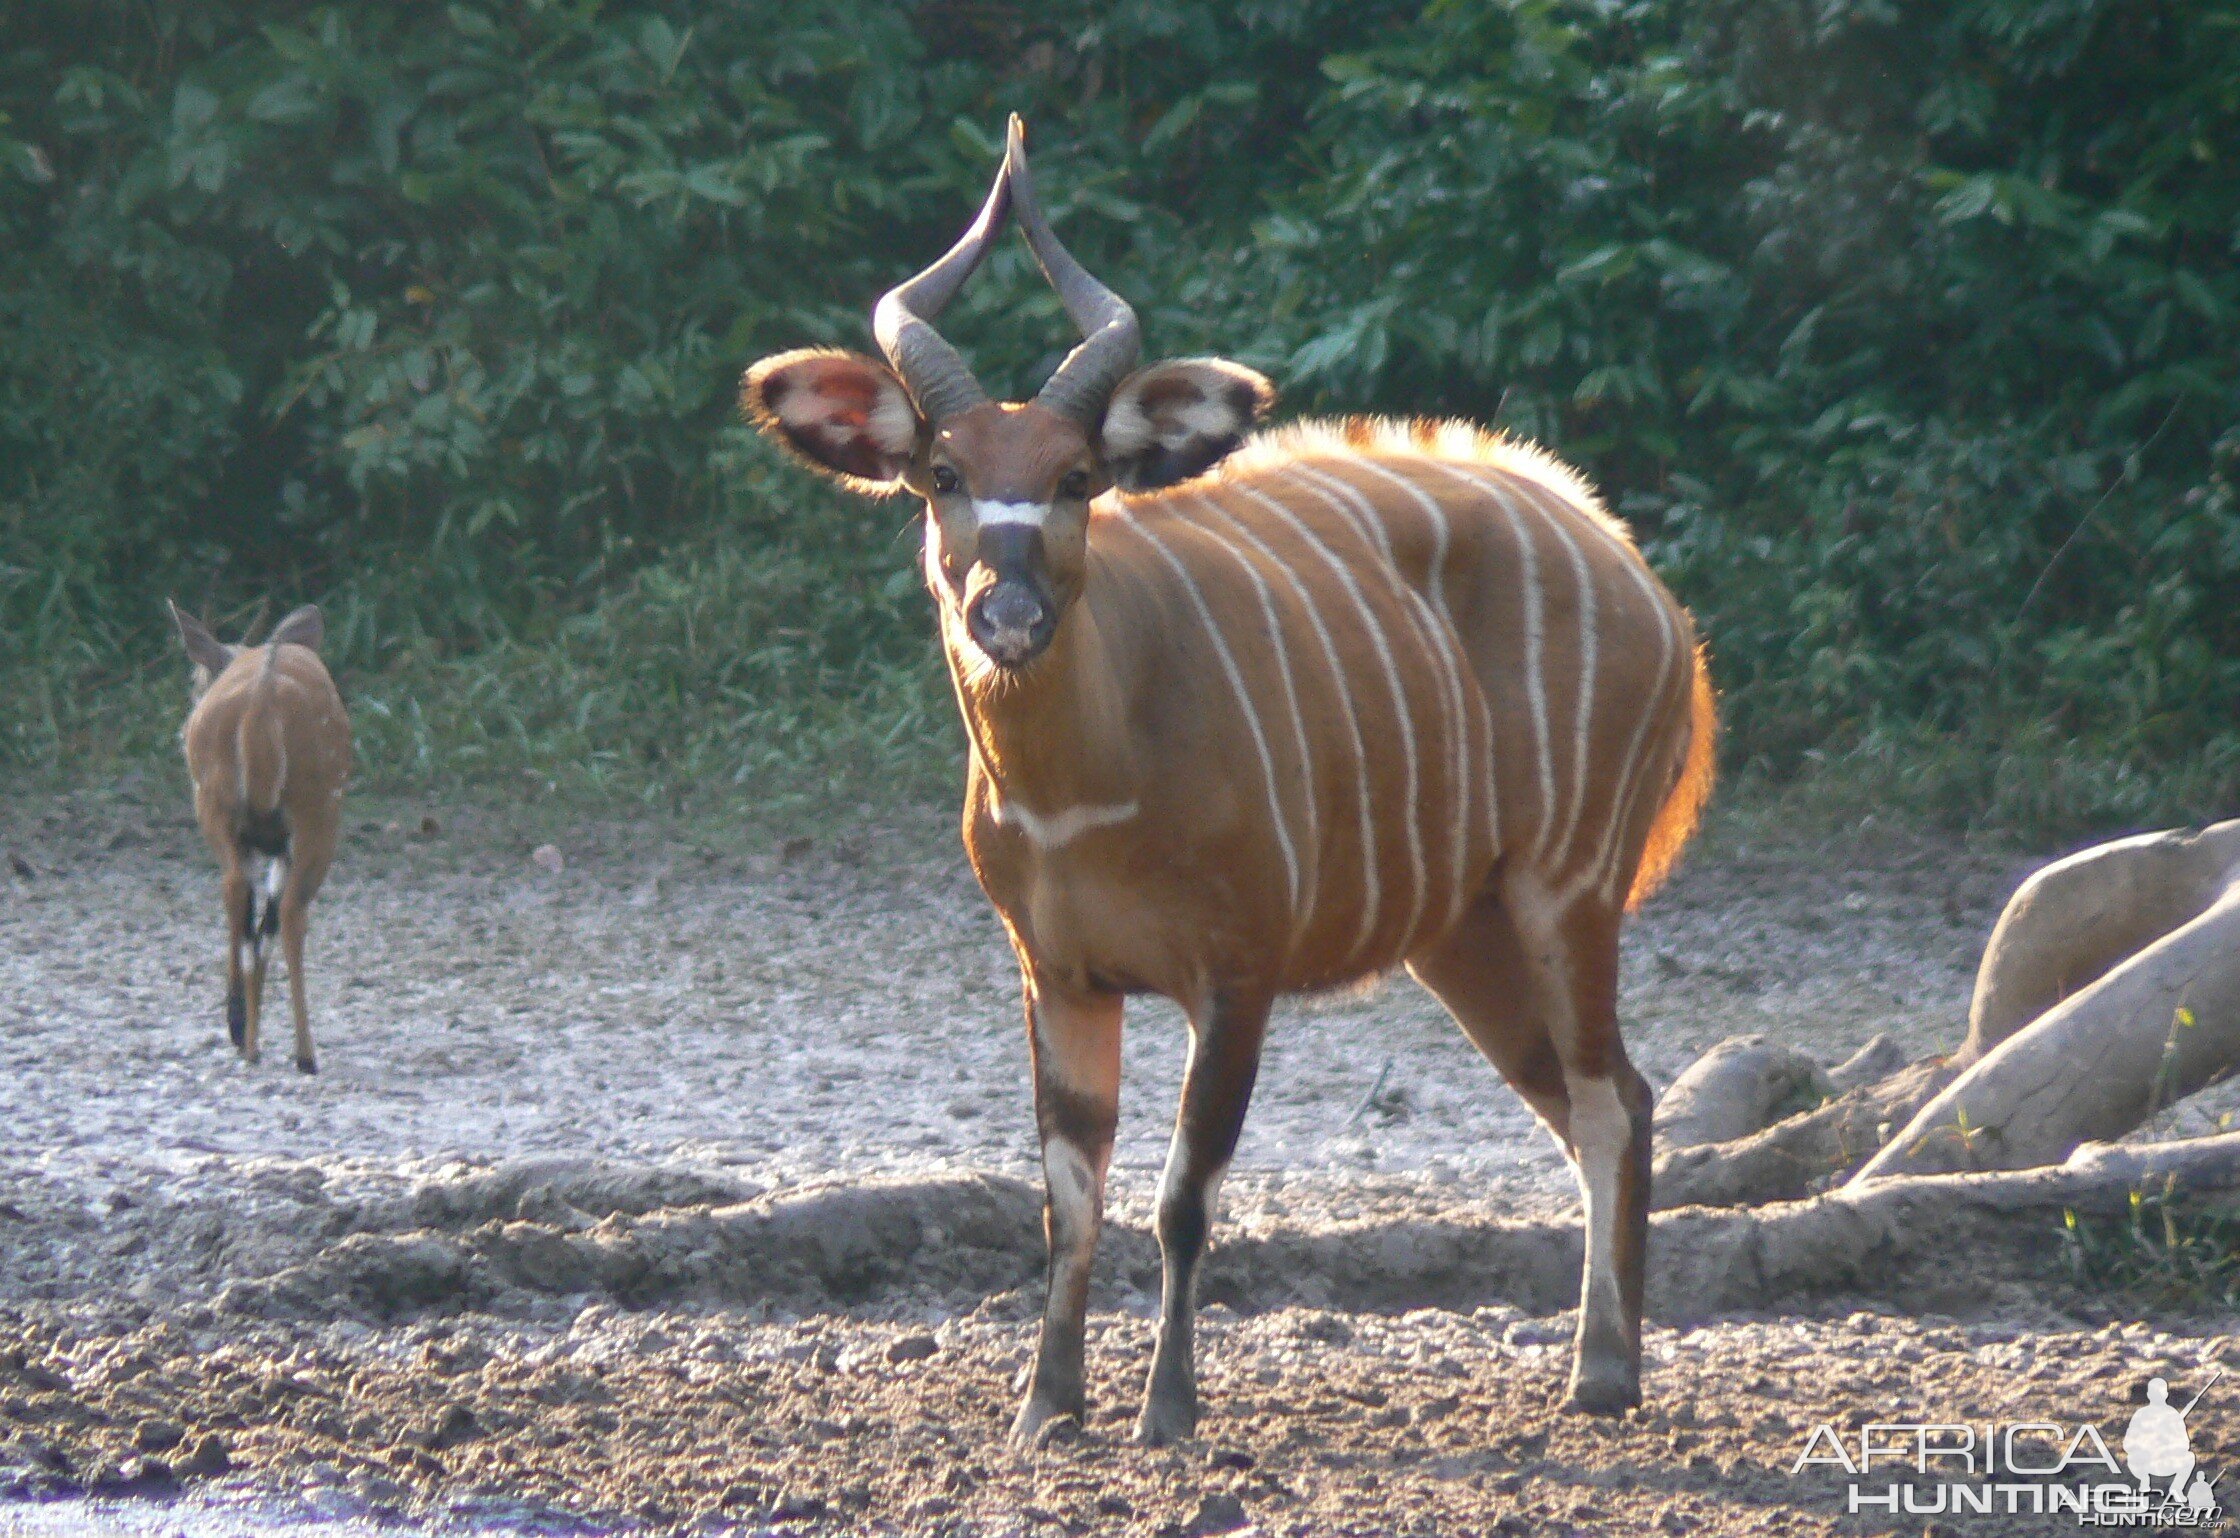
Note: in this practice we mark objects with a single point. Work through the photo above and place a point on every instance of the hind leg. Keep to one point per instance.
(261, 934)
(293, 912)
(310, 850)
(1535, 991)
(241, 930)
(1478, 971)
(1570, 949)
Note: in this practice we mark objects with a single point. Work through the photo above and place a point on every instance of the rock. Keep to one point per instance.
(157, 1436)
(548, 858)
(455, 1425)
(913, 1348)
(145, 1474)
(1740, 1086)
(1219, 1512)
(1537, 1332)
(206, 1456)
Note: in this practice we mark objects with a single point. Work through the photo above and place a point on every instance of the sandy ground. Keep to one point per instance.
(562, 1233)
(845, 1002)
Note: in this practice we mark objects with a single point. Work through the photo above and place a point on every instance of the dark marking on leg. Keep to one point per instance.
(1216, 1092)
(241, 921)
(1082, 1120)
(1075, 1044)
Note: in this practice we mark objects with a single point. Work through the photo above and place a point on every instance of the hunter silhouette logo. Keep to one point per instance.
(2156, 1445)
(2037, 1468)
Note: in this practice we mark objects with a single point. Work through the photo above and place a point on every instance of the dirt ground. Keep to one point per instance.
(691, 1186)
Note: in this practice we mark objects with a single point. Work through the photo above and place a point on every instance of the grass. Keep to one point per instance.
(786, 680)
(2170, 1252)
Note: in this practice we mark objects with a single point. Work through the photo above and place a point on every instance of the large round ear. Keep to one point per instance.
(204, 650)
(840, 412)
(303, 627)
(1177, 419)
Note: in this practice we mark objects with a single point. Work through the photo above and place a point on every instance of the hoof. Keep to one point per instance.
(1040, 1422)
(307, 1065)
(237, 1019)
(1608, 1393)
(1164, 1424)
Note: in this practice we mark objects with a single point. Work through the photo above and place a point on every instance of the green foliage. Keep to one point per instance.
(1904, 333)
(2169, 1251)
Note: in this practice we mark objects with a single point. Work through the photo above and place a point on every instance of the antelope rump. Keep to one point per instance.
(268, 747)
(1256, 715)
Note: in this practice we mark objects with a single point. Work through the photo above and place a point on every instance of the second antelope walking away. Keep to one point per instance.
(1249, 719)
(268, 748)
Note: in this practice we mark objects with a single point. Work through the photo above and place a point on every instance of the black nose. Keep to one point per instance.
(1010, 622)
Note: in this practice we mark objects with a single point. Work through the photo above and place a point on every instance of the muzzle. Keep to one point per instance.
(1009, 618)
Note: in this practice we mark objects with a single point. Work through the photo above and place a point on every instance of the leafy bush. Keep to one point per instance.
(1904, 332)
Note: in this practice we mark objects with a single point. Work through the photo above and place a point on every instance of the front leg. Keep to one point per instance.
(1075, 1041)
(1216, 1089)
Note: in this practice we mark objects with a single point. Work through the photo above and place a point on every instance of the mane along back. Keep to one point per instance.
(1444, 439)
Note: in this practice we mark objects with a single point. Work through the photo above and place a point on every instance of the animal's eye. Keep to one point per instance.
(1075, 485)
(945, 479)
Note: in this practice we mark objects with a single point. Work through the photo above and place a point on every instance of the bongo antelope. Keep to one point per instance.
(1250, 718)
(268, 748)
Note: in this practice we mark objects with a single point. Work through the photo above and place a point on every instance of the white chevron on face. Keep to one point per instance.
(1032, 514)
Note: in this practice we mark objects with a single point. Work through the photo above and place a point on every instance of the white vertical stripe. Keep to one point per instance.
(1392, 680)
(1560, 515)
(1622, 800)
(1630, 774)
(1243, 697)
(1441, 631)
(1439, 643)
(1638, 757)
(1338, 681)
(1535, 685)
(1583, 720)
(1436, 580)
(1302, 911)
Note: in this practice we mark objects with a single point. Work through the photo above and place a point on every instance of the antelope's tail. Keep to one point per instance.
(1683, 808)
